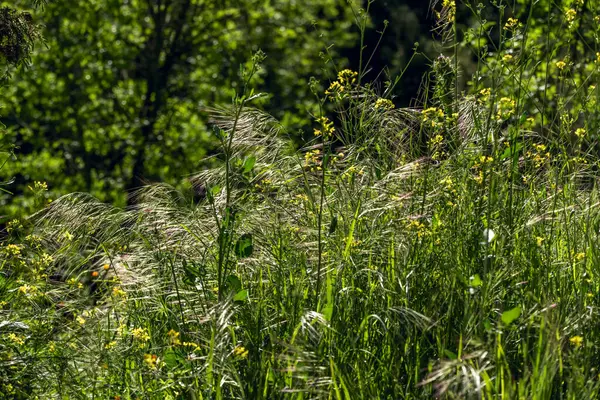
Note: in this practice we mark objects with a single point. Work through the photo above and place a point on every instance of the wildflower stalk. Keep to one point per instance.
(227, 223)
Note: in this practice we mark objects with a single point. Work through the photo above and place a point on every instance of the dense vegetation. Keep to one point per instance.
(448, 249)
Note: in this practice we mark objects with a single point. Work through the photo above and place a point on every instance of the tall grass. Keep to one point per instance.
(447, 250)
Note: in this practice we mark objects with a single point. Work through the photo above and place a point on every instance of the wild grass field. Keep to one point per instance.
(448, 250)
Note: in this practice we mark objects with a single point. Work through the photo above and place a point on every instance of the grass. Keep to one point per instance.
(449, 250)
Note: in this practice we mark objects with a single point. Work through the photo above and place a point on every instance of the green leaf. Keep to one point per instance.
(487, 325)
(509, 316)
(451, 355)
(332, 226)
(475, 281)
(327, 312)
(508, 151)
(233, 283)
(241, 295)
(192, 271)
(172, 359)
(249, 163)
(215, 190)
(244, 247)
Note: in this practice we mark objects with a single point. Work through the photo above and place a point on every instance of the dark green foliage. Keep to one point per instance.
(115, 100)
(18, 36)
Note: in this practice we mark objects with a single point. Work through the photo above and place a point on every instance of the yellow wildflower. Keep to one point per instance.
(196, 346)
(140, 334)
(240, 351)
(151, 360)
(12, 250)
(25, 289)
(347, 76)
(576, 341)
(384, 104)
(335, 90)
(18, 340)
(511, 23)
(561, 65)
(38, 186)
(570, 15)
(174, 337)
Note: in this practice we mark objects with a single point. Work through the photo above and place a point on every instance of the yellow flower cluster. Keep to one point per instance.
(576, 341)
(484, 95)
(561, 65)
(436, 140)
(18, 340)
(539, 156)
(34, 240)
(43, 260)
(140, 334)
(327, 129)
(347, 77)
(435, 144)
(450, 192)
(264, 185)
(384, 104)
(194, 346)
(579, 256)
(506, 108)
(312, 160)
(12, 250)
(448, 11)
(337, 90)
(151, 360)
(38, 186)
(511, 23)
(570, 16)
(110, 345)
(118, 292)
(240, 351)
(479, 166)
(580, 132)
(433, 117)
(418, 227)
(28, 290)
(13, 225)
(351, 172)
(174, 337)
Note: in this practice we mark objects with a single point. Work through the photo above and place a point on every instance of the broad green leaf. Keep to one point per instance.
(509, 316)
(249, 164)
(475, 281)
(234, 283)
(244, 247)
(241, 295)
